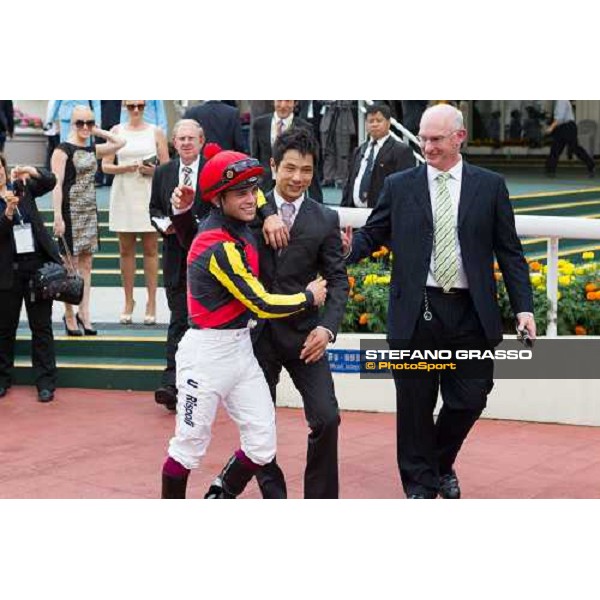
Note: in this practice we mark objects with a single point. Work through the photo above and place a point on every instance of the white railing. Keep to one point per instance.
(552, 228)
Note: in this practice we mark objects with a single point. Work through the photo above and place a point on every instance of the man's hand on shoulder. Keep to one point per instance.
(275, 232)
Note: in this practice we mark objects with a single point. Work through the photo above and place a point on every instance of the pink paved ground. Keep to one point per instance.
(107, 444)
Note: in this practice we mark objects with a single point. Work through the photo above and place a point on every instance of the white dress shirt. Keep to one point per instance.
(287, 122)
(454, 184)
(363, 165)
(193, 175)
(297, 204)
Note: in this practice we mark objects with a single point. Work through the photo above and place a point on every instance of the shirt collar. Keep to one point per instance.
(194, 166)
(381, 141)
(455, 172)
(287, 121)
(279, 201)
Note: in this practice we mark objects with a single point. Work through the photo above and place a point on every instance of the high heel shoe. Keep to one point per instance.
(127, 318)
(86, 330)
(150, 320)
(72, 332)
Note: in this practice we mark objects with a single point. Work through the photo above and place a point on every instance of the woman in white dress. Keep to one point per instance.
(129, 200)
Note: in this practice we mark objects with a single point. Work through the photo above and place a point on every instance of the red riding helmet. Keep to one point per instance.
(227, 170)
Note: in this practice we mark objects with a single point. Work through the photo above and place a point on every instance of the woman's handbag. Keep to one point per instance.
(58, 282)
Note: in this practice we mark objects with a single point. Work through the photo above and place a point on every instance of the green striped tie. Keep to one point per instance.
(445, 259)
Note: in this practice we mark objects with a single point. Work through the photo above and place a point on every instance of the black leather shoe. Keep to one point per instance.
(45, 395)
(3, 391)
(426, 495)
(167, 396)
(449, 487)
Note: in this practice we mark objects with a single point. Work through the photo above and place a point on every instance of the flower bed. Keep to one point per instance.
(27, 121)
(578, 296)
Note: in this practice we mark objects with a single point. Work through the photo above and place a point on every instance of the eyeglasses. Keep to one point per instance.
(132, 107)
(80, 123)
(435, 139)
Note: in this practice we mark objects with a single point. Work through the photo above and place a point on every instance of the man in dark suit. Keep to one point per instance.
(265, 130)
(446, 220)
(188, 140)
(375, 159)
(299, 343)
(220, 122)
(7, 121)
(310, 235)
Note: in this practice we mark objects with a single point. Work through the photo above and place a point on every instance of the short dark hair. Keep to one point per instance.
(384, 109)
(296, 138)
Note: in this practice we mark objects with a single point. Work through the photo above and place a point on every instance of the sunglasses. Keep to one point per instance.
(133, 107)
(80, 124)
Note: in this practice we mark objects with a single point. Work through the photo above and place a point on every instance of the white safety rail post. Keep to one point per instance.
(552, 286)
(553, 228)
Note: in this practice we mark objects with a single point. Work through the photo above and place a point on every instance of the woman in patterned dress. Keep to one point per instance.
(129, 214)
(74, 163)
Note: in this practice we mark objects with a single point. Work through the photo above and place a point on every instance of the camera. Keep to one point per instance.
(17, 187)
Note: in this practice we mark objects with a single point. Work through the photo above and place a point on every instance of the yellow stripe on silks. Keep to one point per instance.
(260, 199)
(237, 264)
(227, 283)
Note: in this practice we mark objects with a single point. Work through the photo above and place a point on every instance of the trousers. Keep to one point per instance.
(218, 366)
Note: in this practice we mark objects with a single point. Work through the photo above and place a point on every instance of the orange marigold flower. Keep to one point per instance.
(384, 250)
(496, 266)
(591, 295)
(580, 330)
(359, 298)
(535, 266)
(591, 287)
(497, 276)
(351, 281)
(363, 319)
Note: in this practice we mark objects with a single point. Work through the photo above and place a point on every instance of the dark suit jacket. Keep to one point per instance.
(221, 123)
(394, 156)
(164, 181)
(7, 114)
(486, 227)
(263, 151)
(315, 247)
(45, 245)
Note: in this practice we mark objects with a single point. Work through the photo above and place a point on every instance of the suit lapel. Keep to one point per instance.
(468, 191)
(300, 223)
(385, 150)
(422, 192)
(197, 196)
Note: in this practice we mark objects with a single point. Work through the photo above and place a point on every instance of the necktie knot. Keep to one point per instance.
(280, 126)
(187, 172)
(443, 177)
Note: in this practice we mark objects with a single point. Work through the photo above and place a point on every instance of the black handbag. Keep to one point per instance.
(58, 282)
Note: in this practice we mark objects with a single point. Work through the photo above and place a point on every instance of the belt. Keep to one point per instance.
(450, 292)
